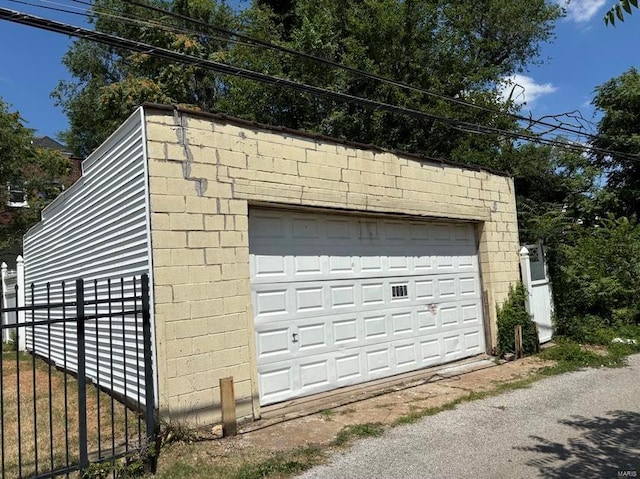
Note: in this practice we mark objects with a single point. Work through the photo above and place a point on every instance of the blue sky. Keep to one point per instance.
(584, 54)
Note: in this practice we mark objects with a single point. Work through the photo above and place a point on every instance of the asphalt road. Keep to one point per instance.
(584, 424)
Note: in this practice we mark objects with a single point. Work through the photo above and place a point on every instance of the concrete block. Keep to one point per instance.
(186, 257)
(170, 275)
(167, 204)
(169, 239)
(203, 239)
(186, 221)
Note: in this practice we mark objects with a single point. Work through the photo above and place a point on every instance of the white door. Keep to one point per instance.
(340, 300)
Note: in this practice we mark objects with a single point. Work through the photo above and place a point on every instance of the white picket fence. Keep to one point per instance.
(12, 291)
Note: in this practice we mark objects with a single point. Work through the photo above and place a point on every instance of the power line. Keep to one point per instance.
(251, 41)
(133, 45)
(363, 73)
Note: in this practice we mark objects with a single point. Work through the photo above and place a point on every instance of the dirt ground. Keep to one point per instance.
(318, 422)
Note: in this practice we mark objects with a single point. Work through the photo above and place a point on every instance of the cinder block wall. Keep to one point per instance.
(205, 171)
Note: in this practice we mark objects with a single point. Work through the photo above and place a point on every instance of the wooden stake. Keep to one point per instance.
(518, 341)
(228, 403)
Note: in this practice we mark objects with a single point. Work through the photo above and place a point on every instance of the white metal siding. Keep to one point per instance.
(95, 230)
(339, 300)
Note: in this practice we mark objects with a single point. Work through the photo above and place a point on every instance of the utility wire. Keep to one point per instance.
(371, 76)
(254, 42)
(85, 12)
(251, 41)
(133, 45)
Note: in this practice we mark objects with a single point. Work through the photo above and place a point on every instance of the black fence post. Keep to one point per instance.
(149, 393)
(82, 380)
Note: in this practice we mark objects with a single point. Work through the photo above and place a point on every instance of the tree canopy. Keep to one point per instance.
(454, 49)
(619, 129)
(42, 173)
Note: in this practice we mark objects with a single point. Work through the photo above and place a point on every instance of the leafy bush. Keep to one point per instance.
(588, 329)
(596, 273)
(512, 313)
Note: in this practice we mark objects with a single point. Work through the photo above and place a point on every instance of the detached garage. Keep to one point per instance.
(295, 263)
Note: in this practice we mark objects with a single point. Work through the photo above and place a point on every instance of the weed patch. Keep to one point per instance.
(241, 466)
(327, 414)
(357, 431)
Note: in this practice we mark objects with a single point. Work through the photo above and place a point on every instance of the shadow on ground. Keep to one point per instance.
(606, 447)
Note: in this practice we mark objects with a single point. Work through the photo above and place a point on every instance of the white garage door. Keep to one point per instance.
(340, 300)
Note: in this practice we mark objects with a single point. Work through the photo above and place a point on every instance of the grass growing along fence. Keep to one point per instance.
(48, 426)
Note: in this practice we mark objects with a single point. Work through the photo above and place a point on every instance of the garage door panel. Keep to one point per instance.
(309, 298)
(272, 302)
(405, 355)
(276, 384)
(378, 361)
(452, 345)
(375, 327)
(313, 336)
(345, 332)
(340, 300)
(402, 323)
(302, 337)
(472, 342)
(427, 321)
(274, 342)
(280, 301)
(471, 314)
(268, 267)
(309, 375)
(314, 375)
(306, 265)
(431, 349)
(343, 296)
(348, 368)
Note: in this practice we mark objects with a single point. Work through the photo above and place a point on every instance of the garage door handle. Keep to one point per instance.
(294, 338)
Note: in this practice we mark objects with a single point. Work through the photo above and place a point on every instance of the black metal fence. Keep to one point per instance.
(80, 395)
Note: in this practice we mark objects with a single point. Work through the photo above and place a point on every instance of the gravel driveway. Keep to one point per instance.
(584, 424)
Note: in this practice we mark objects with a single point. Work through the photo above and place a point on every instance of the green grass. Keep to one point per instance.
(357, 431)
(282, 464)
(327, 414)
(245, 466)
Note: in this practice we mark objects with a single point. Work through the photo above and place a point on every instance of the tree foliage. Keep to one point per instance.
(108, 83)
(619, 129)
(454, 49)
(43, 173)
(553, 188)
(618, 11)
(599, 273)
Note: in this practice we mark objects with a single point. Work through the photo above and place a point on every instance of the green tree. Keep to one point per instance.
(599, 273)
(42, 173)
(619, 129)
(554, 188)
(618, 11)
(108, 83)
(454, 49)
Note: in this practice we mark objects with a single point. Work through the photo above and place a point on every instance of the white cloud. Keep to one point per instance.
(523, 89)
(581, 11)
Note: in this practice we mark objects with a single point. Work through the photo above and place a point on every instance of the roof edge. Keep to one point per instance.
(316, 136)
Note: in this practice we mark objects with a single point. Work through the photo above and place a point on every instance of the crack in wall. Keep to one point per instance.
(200, 184)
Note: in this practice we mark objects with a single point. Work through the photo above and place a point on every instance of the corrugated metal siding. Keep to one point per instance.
(97, 230)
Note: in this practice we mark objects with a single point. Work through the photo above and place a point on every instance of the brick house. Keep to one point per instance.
(293, 262)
